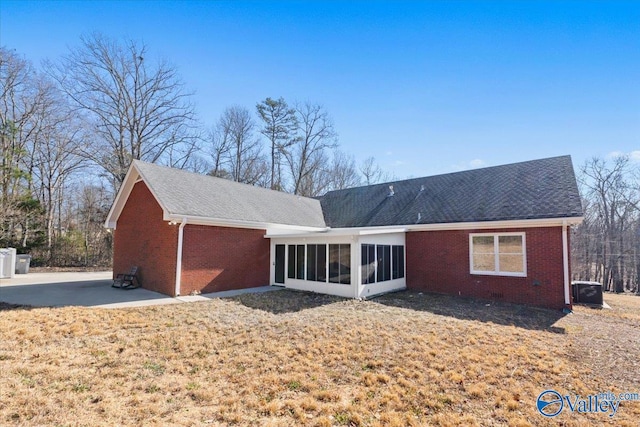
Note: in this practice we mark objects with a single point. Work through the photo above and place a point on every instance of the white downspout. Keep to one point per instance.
(179, 256)
(565, 262)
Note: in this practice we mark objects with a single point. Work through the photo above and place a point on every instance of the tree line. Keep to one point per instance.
(70, 128)
(606, 246)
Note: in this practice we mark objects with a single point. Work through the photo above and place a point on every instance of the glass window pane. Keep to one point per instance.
(511, 263)
(510, 244)
(483, 245)
(311, 262)
(292, 262)
(398, 262)
(368, 264)
(334, 263)
(300, 262)
(345, 264)
(384, 263)
(321, 263)
(484, 262)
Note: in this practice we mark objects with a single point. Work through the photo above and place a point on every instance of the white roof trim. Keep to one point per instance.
(336, 232)
(222, 222)
(481, 225)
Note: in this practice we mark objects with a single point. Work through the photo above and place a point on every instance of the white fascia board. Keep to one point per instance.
(368, 232)
(233, 223)
(480, 225)
(339, 232)
(518, 223)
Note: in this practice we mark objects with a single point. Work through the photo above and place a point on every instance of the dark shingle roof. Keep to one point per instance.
(535, 189)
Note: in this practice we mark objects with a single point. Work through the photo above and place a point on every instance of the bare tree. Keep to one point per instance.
(235, 145)
(138, 110)
(57, 144)
(318, 181)
(372, 173)
(218, 148)
(21, 95)
(315, 135)
(612, 222)
(343, 172)
(279, 125)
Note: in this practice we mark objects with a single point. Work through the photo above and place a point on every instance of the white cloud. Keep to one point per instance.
(472, 164)
(634, 155)
(476, 163)
(613, 154)
(388, 153)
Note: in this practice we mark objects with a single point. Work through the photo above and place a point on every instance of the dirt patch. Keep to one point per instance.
(291, 358)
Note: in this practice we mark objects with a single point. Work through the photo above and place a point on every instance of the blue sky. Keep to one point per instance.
(425, 87)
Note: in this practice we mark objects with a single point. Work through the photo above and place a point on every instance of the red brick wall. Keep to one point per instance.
(142, 238)
(438, 261)
(221, 258)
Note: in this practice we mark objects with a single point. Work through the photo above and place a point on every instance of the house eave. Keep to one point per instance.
(477, 225)
(232, 223)
(339, 232)
(512, 223)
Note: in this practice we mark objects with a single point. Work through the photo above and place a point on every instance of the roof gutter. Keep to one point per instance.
(179, 256)
(233, 223)
(510, 223)
(477, 225)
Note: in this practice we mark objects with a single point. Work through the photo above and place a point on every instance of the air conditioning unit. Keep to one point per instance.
(587, 292)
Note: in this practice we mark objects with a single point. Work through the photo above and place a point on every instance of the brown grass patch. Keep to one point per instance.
(288, 358)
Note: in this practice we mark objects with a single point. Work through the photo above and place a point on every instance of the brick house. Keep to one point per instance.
(497, 233)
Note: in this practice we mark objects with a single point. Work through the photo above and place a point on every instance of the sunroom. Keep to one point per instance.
(344, 262)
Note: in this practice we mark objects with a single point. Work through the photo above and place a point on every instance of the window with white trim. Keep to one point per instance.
(501, 254)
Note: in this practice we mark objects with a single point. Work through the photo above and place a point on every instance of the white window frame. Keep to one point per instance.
(496, 271)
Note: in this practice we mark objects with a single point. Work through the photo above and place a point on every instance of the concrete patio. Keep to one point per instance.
(92, 289)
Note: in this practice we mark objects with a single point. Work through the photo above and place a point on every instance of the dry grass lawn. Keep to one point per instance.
(287, 358)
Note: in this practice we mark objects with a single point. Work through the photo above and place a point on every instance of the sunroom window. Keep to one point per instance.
(381, 263)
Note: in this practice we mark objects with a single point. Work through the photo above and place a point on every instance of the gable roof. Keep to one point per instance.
(185, 194)
(537, 189)
(533, 190)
